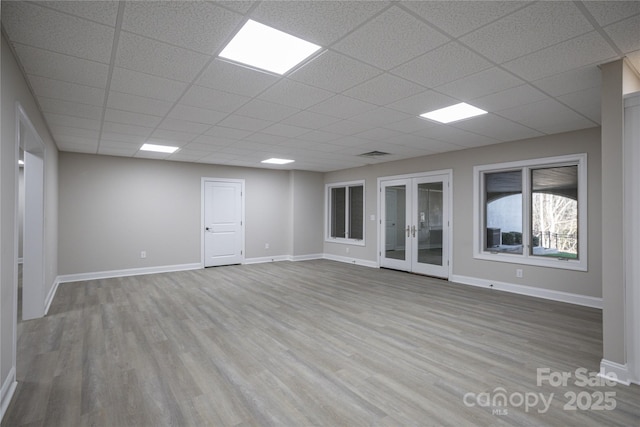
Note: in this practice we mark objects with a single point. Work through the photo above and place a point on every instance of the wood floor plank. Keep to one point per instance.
(314, 343)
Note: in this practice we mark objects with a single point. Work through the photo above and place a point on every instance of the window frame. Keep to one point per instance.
(328, 212)
(479, 202)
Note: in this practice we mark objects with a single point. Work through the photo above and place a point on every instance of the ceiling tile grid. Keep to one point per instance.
(109, 76)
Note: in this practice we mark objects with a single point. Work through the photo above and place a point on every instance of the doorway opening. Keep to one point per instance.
(30, 233)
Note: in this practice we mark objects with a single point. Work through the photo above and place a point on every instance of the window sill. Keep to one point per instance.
(352, 242)
(563, 264)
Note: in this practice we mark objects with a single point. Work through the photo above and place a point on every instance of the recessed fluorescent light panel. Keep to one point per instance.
(274, 161)
(159, 148)
(260, 46)
(453, 113)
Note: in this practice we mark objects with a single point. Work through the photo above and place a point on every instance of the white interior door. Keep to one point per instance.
(223, 223)
(419, 209)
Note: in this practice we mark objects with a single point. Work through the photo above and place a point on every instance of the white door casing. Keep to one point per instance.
(222, 222)
(425, 209)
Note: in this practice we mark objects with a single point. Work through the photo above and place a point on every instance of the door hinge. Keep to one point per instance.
(240, 252)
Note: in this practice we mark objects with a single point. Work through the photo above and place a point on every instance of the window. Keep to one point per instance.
(345, 208)
(532, 212)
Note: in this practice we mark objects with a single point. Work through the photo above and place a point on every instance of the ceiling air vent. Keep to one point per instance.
(374, 154)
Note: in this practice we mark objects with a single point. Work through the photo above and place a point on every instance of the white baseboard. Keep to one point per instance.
(530, 291)
(308, 257)
(6, 392)
(260, 260)
(615, 372)
(356, 261)
(51, 296)
(66, 278)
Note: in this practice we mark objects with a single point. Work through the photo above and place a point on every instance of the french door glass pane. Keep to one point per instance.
(503, 196)
(429, 224)
(395, 226)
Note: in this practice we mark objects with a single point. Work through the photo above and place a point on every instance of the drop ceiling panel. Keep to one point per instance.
(160, 59)
(244, 123)
(445, 64)
(41, 27)
(58, 130)
(310, 120)
(196, 114)
(102, 11)
(548, 116)
(485, 82)
(147, 85)
(346, 127)
(377, 42)
(456, 136)
(211, 99)
(320, 136)
(183, 126)
(586, 102)
(294, 94)
(232, 78)
(320, 22)
(227, 132)
(119, 137)
(384, 89)
(58, 106)
(422, 102)
(70, 121)
(170, 137)
(282, 129)
(458, 18)
(493, 126)
(380, 116)
(341, 106)
(196, 25)
(137, 104)
(570, 81)
(625, 34)
(581, 51)
(334, 72)
(410, 125)
(259, 109)
(127, 117)
(530, 29)
(62, 67)
(126, 129)
(509, 98)
(608, 12)
(65, 91)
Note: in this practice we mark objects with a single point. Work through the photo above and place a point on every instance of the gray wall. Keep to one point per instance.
(14, 89)
(462, 163)
(307, 212)
(111, 208)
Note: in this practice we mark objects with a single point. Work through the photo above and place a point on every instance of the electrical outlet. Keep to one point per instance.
(143, 254)
(347, 250)
(266, 246)
(519, 272)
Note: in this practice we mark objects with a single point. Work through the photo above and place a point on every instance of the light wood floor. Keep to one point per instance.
(299, 344)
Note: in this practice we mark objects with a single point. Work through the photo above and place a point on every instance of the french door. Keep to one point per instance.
(415, 224)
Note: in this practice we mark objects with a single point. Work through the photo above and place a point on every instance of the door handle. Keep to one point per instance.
(408, 231)
(413, 230)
